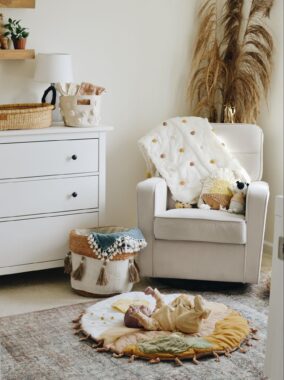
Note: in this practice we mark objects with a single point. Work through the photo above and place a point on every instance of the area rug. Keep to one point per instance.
(41, 345)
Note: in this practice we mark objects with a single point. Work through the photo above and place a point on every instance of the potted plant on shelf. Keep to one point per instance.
(17, 33)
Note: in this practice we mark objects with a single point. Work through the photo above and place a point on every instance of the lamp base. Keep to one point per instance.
(56, 115)
(51, 89)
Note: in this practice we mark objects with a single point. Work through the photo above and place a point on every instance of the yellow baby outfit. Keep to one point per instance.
(180, 315)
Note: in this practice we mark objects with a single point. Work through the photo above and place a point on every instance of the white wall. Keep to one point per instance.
(140, 51)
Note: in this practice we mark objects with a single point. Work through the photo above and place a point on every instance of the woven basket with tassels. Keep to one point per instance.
(91, 276)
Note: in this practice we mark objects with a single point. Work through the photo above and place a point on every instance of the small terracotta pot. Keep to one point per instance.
(20, 44)
(4, 41)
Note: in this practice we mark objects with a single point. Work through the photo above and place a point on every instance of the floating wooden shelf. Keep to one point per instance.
(17, 3)
(17, 54)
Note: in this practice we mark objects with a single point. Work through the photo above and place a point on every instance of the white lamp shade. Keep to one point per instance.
(54, 68)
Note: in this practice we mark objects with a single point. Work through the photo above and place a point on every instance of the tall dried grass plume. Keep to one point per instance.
(234, 70)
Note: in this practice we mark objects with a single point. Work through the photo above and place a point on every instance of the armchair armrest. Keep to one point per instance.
(256, 210)
(151, 200)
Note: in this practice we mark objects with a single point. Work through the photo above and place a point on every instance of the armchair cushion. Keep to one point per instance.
(200, 225)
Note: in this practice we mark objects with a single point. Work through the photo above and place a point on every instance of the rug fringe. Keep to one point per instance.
(195, 361)
(103, 349)
(77, 326)
(77, 332)
(154, 361)
(117, 356)
(217, 357)
(227, 354)
(85, 337)
(178, 361)
(76, 320)
(242, 350)
(131, 359)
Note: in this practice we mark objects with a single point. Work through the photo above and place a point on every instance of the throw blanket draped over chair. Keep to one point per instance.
(185, 151)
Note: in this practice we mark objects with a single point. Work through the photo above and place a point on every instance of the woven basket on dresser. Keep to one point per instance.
(117, 269)
(25, 116)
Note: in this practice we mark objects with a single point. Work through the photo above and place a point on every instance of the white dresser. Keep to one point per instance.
(51, 181)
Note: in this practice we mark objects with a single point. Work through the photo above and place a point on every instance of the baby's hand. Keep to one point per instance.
(130, 319)
(131, 309)
(149, 291)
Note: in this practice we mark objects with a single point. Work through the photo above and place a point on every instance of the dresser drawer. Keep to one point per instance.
(48, 158)
(48, 195)
(40, 239)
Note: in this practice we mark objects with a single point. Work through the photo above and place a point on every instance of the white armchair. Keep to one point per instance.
(207, 244)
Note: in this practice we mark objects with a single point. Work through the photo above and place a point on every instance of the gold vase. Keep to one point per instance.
(229, 113)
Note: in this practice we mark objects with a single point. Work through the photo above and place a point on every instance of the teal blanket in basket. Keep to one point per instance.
(106, 245)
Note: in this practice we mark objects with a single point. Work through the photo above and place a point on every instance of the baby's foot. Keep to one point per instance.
(149, 291)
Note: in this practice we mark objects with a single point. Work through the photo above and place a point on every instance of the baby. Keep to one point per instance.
(180, 315)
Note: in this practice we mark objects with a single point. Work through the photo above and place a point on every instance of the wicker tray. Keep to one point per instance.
(25, 116)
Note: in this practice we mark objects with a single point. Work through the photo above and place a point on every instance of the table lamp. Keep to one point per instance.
(53, 68)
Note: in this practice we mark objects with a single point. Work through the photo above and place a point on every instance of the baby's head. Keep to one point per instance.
(130, 320)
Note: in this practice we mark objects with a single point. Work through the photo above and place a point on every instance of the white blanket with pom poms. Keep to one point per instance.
(185, 151)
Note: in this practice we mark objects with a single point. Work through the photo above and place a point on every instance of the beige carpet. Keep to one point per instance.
(41, 346)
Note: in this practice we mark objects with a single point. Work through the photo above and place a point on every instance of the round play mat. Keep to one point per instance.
(223, 332)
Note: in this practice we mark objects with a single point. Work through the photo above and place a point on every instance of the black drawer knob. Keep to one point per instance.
(74, 195)
(74, 157)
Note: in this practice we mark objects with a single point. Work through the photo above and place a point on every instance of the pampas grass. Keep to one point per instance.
(236, 70)
(208, 67)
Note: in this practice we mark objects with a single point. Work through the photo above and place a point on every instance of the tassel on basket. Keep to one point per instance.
(102, 279)
(137, 268)
(133, 271)
(79, 272)
(68, 263)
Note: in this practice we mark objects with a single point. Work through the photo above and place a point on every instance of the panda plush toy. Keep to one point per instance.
(238, 200)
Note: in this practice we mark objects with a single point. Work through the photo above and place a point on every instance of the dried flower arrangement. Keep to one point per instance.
(231, 74)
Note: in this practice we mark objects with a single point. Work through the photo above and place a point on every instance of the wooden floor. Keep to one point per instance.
(31, 291)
